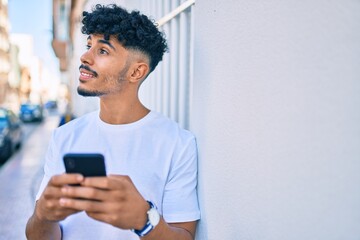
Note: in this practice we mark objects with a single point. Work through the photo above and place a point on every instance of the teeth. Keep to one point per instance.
(86, 74)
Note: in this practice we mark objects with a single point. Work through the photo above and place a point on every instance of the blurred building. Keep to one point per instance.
(4, 50)
(30, 68)
(14, 80)
(29, 77)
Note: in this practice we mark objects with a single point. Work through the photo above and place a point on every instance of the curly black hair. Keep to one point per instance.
(133, 30)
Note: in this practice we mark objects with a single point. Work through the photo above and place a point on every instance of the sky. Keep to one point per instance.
(35, 18)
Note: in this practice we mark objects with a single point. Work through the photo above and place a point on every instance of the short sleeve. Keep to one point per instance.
(180, 202)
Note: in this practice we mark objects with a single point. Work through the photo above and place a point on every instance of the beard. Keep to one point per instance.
(116, 84)
(89, 93)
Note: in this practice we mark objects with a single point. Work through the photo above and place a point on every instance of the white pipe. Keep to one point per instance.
(191, 67)
(166, 69)
(175, 12)
(183, 69)
(174, 68)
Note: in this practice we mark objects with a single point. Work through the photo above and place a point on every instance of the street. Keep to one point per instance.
(20, 177)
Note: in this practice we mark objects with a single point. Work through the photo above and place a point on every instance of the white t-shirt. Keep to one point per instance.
(158, 156)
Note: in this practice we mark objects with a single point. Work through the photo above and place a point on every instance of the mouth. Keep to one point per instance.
(85, 76)
(86, 73)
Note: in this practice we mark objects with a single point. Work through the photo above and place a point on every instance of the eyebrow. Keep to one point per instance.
(104, 42)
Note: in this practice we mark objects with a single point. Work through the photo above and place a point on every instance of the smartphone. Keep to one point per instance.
(87, 164)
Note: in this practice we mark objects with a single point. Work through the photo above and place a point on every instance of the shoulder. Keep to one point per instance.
(76, 125)
(171, 134)
(169, 126)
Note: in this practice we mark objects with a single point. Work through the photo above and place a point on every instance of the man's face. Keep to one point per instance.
(104, 67)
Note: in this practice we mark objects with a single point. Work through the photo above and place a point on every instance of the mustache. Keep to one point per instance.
(88, 69)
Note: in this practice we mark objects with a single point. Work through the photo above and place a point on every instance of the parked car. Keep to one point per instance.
(31, 112)
(10, 134)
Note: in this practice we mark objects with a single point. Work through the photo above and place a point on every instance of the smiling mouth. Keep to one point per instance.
(86, 75)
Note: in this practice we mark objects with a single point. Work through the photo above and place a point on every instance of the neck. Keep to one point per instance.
(122, 112)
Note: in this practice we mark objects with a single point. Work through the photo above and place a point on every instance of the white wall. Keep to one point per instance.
(276, 112)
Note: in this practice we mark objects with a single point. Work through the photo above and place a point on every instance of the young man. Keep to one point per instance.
(150, 189)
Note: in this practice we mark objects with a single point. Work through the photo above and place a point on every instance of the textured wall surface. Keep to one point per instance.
(276, 111)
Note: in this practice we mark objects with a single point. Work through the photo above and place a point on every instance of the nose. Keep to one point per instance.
(87, 57)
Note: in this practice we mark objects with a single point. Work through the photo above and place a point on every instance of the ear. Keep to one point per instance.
(140, 71)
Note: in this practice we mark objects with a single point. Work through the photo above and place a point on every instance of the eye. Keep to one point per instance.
(102, 51)
(88, 47)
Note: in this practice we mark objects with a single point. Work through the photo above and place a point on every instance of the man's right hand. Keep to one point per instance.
(44, 223)
(48, 207)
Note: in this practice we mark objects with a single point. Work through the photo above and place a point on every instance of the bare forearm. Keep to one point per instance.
(164, 231)
(37, 229)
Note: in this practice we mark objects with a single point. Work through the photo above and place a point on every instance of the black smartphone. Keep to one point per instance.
(87, 164)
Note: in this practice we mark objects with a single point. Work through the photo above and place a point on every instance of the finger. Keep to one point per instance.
(84, 192)
(97, 182)
(52, 192)
(65, 179)
(110, 182)
(81, 204)
(51, 210)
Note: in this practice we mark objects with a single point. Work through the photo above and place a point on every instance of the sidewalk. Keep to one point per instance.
(19, 180)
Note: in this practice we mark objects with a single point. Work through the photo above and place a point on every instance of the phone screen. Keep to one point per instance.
(87, 164)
